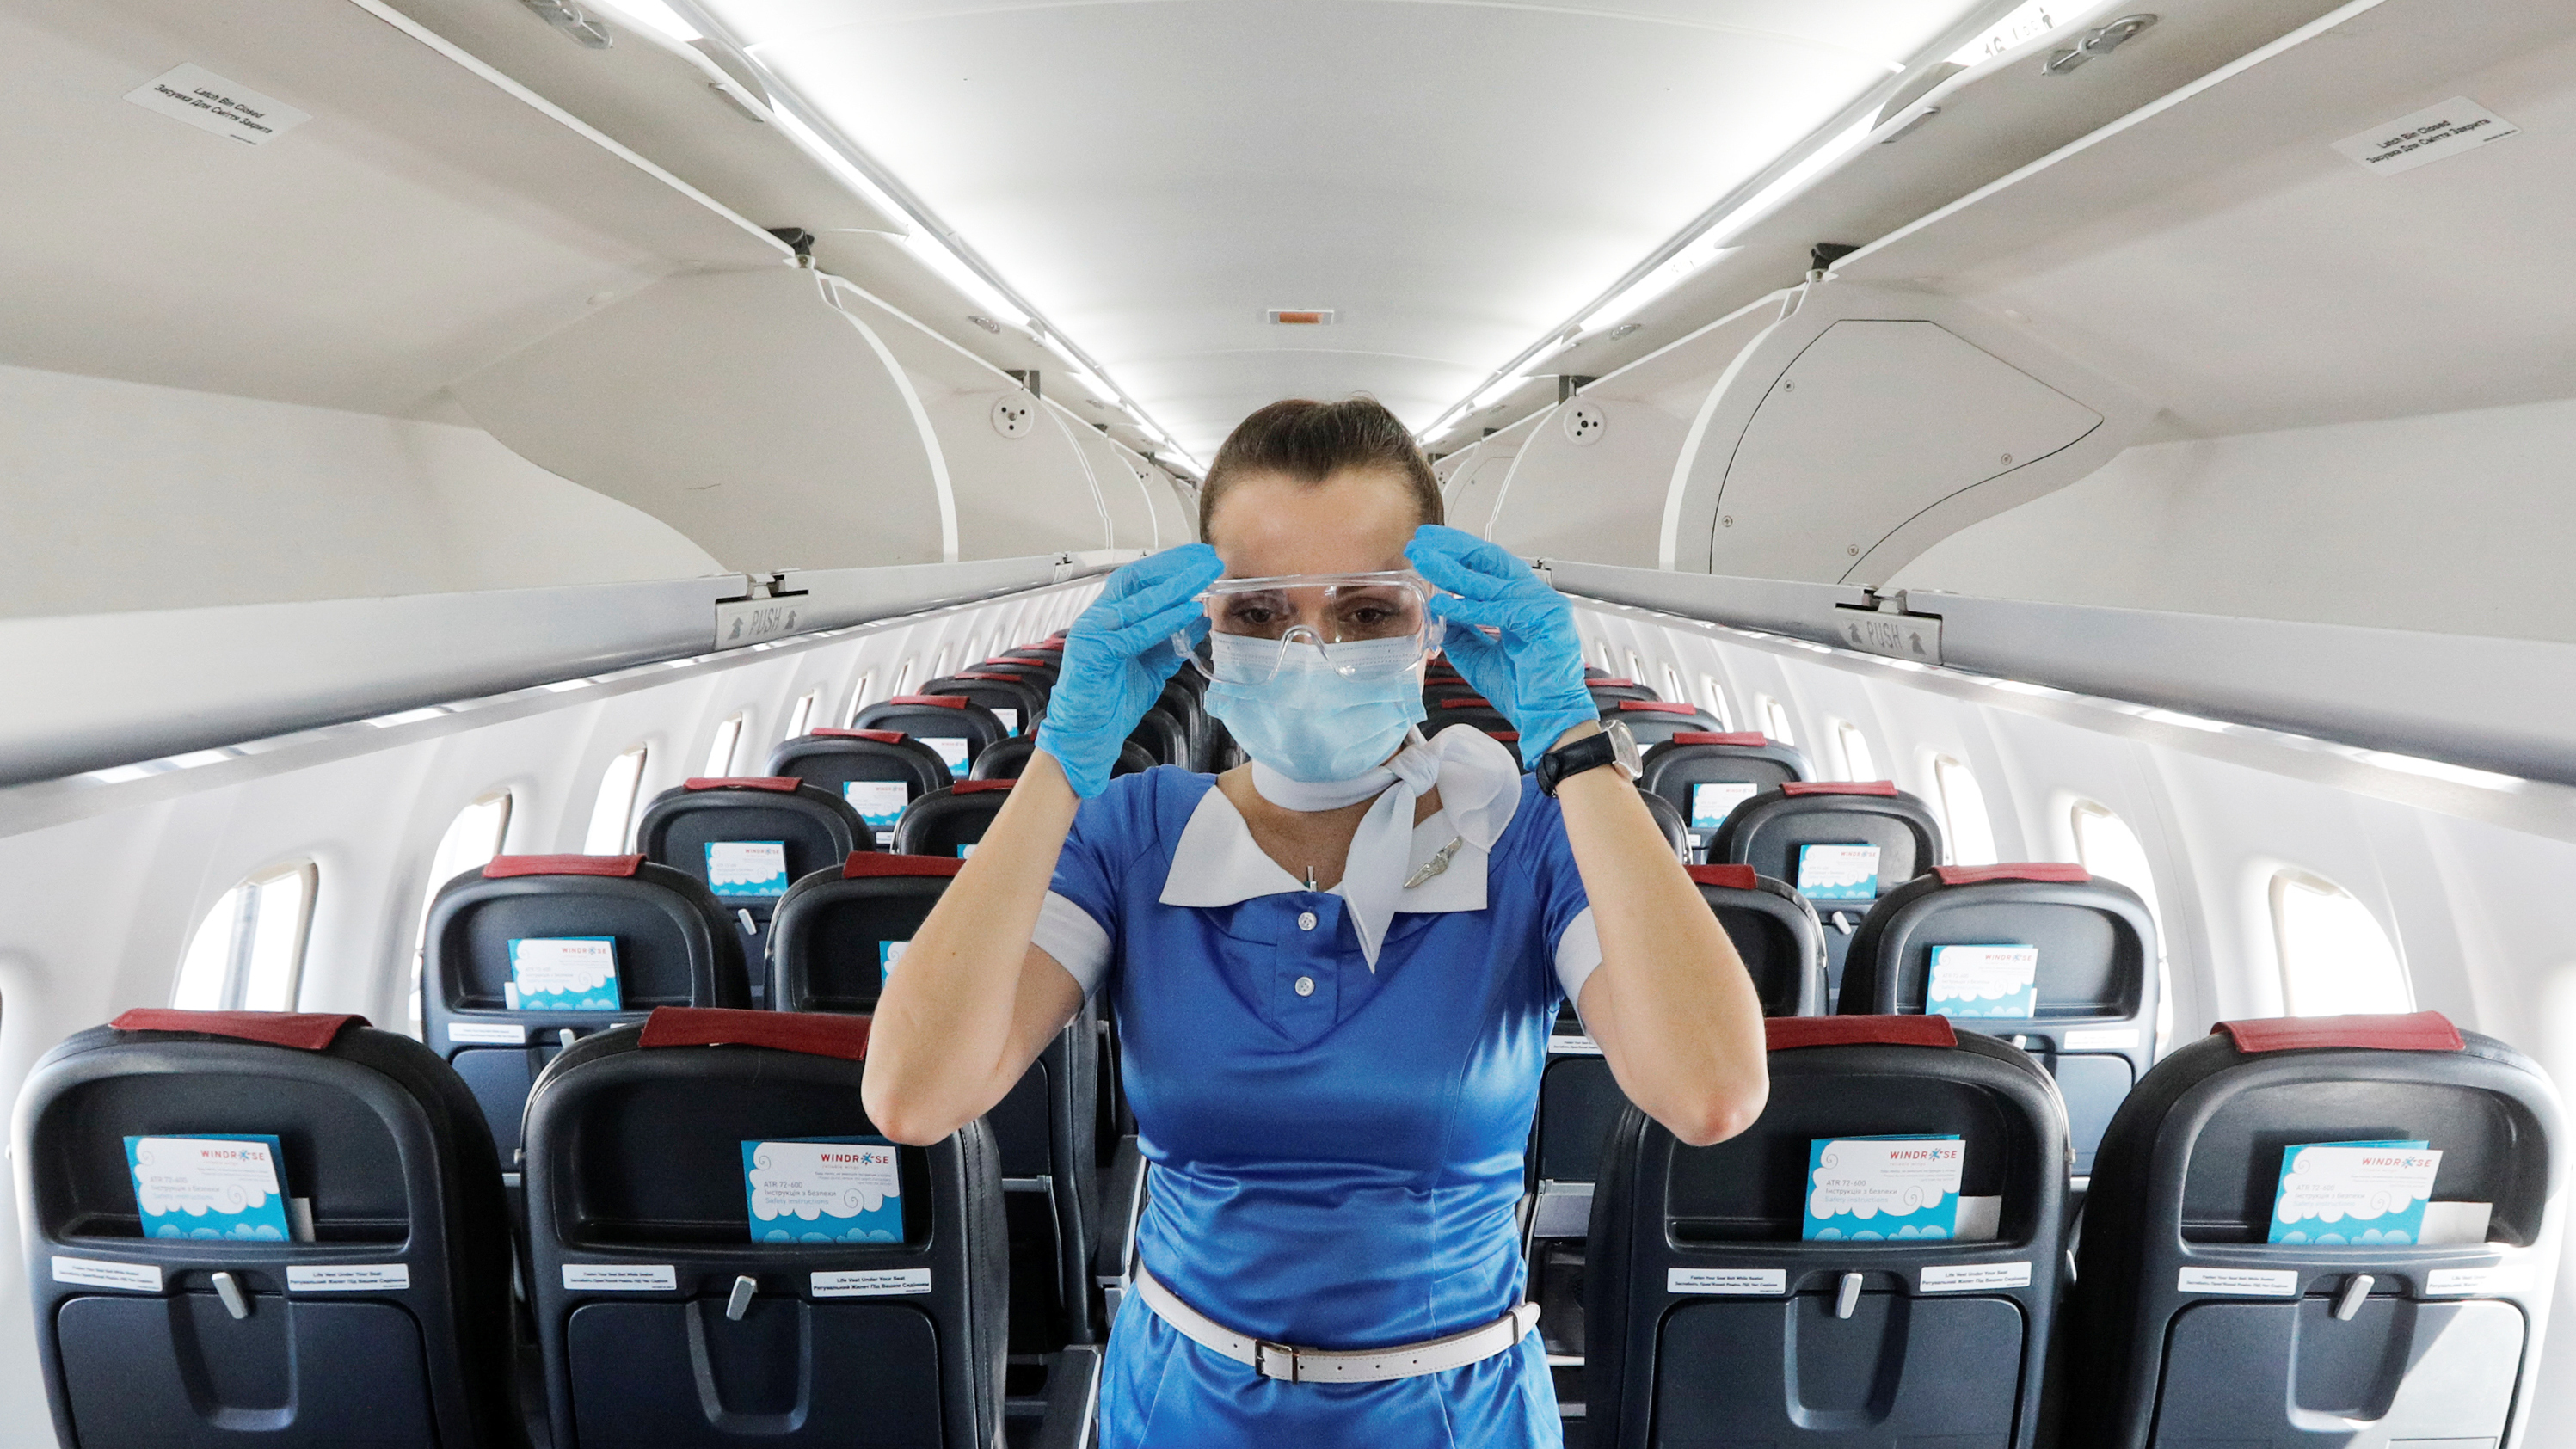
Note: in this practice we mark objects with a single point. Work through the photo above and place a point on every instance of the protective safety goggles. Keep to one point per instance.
(1367, 625)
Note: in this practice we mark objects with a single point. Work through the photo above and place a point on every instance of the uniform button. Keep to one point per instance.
(1305, 986)
(1306, 922)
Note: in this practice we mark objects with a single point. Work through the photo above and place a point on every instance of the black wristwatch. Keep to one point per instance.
(1613, 746)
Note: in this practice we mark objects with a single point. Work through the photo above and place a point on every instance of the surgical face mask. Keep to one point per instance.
(1315, 719)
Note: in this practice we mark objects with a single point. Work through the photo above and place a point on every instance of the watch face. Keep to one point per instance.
(1623, 750)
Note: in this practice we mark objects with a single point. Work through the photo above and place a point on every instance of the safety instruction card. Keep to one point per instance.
(2347, 1194)
(1838, 872)
(563, 973)
(888, 953)
(1710, 802)
(878, 802)
(747, 867)
(1991, 981)
(952, 750)
(823, 1190)
(1879, 1188)
(219, 1186)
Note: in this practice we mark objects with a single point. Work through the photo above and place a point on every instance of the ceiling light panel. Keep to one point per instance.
(1457, 177)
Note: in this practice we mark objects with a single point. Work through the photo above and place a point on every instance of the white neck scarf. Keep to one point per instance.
(1479, 792)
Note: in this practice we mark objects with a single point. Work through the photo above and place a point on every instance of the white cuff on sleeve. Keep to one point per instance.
(1578, 952)
(1081, 946)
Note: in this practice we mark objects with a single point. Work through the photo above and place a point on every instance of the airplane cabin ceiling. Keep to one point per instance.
(1452, 178)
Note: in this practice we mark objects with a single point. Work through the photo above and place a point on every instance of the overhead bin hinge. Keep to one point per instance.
(1822, 256)
(1883, 624)
(767, 608)
(1570, 383)
(2095, 44)
(799, 241)
(574, 21)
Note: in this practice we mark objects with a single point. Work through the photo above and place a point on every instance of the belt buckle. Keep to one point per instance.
(1263, 1352)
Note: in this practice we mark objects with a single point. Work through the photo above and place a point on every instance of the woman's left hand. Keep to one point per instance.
(1534, 672)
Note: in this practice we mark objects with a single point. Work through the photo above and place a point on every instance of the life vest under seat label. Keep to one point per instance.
(346, 1277)
(876, 1283)
(1962, 1277)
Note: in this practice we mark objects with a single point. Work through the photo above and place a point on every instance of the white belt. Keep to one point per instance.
(1318, 1365)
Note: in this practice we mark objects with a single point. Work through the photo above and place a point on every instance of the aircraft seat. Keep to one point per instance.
(1654, 721)
(831, 954)
(671, 944)
(380, 1316)
(1606, 692)
(2090, 1017)
(1014, 700)
(1010, 759)
(859, 765)
(1711, 1317)
(1872, 836)
(673, 1312)
(948, 822)
(1040, 677)
(1706, 773)
(1162, 734)
(1669, 821)
(956, 727)
(690, 826)
(2194, 1327)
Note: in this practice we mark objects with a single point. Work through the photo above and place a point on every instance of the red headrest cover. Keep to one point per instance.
(782, 784)
(1788, 1033)
(2420, 1031)
(1609, 684)
(1655, 706)
(1467, 701)
(864, 863)
(501, 866)
(883, 737)
(978, 787)
(1052, 645)
(307, 1031)
(1753, 739)
(999, 678)
(2046, 870)
(1732, 877)
(1839, 787)
(815, 1033)
(1509, 737)
(935, 701)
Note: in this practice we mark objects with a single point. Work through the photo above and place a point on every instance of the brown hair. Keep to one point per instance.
(1310, 441)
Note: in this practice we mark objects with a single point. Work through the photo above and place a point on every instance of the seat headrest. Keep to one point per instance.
(782, 784)
(306, 1031)
(814, 1033)
(1839, 787)
(1467, 701)
(997, 678)
(1751, 739)
(1509, 737)
(934, 701)
(1732, 877)
(501, 866)
(1655, 706)
(1609, 684)
(865, 863)
(978, 787)
(2419, 1031)
(2040, 870)
(1053, 645)
(883, 737)
(1788, 1033)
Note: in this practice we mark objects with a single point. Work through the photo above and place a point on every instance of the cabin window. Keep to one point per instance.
(1775, 720)
(2106, 846)
(1601, 657)
(859, 697)
(1857, 764)
(2335, 956)
(472, 839)
(801, 718)
(1714, 696)
(248, 953)
(1962, 803)
(939, 663)
(614, 811)
(1636, 668)
(1673, 685)
(903, 678)
(721, 749)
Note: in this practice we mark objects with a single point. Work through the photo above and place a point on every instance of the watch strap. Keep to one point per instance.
(1588, 753)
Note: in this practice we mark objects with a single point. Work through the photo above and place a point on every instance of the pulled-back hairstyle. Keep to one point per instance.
(1309, 441)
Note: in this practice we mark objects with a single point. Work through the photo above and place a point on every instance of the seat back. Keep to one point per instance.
(1773, 831)
(2193, 1325)
(1775, 931)
(1669, 821)
(1607, 691)
(955, 728)
(670, 944)
(1707, 774)
(381, 1314)
(678, 1304)
(745, 839)
(1040, 677)
(1654, 721)
(1711, 1318)
(830, 952)
(2086, 946)
(1161, 734)
(1015, 701)
(1436, 688)
(862, 766)
(1010, 759)
(948, 822)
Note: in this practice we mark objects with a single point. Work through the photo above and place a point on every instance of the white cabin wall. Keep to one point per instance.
(123, 495)
(2452, 522)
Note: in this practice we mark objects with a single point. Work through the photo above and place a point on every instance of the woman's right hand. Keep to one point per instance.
(1117, 657)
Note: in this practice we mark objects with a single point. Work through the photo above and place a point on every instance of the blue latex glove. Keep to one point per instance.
(1117, 657)
(1534, 672)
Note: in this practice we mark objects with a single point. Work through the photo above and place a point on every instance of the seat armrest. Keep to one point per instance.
(1122, 1201)
(1072, 1399)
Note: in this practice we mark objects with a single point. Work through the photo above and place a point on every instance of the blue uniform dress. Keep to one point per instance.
(1336, 1152)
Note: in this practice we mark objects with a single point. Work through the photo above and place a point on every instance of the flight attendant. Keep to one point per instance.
(1333, 970)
